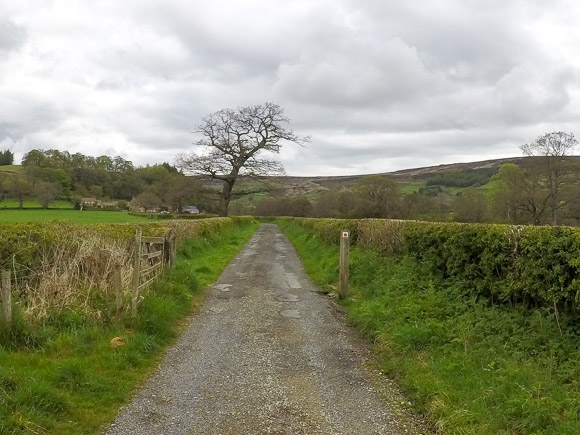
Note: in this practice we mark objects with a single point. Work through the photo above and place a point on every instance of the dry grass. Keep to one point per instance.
(75, 274)
(73, 269)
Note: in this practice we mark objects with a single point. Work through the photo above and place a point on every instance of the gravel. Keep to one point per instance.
(267, 354)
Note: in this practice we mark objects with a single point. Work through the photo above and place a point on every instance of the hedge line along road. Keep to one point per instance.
(267, 353)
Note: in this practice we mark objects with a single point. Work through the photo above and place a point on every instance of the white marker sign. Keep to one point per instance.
(345, 234)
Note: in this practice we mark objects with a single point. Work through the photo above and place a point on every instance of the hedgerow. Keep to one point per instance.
(537, 265)
(59, 265)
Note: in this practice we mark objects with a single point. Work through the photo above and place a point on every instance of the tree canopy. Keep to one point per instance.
(238, 143)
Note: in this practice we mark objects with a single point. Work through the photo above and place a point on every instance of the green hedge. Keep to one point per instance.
(515, 264)
(166, 216)
(22, 245)
(61, 264)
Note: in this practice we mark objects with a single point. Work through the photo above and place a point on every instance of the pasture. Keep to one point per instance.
(10, 216)
(6, 203)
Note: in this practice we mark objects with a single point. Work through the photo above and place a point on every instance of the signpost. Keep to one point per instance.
(343, 268)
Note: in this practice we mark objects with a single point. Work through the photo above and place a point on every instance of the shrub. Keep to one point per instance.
(58, 266)
(506, 263)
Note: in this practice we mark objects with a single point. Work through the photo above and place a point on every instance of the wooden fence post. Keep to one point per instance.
(7, 298)
(167, 257)
(118, 287)
(173, 249)
(343, 268)
(136, 271)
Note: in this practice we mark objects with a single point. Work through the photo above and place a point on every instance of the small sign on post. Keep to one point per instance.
(343, 266)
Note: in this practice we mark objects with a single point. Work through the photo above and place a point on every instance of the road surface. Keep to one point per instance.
(267, 353)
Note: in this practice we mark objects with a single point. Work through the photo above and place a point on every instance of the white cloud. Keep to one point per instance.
(380, 85)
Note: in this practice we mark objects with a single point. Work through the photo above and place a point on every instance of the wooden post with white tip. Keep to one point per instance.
(343, 267)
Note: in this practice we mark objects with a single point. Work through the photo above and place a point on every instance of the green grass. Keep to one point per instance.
(83, 217)
(409, 188)
(470, 367)
(10, 168)
(14, 203)
(66, 378)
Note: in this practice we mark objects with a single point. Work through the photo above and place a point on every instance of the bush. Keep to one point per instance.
(506, 263)
(60, 265)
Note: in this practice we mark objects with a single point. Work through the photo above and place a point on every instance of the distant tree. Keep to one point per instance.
(46, 192)
(550, 170)
(325, 206)
(379, 196)
(180, 191)
(470, 206)
(300, 207)
(335, 203)
(156, 174)
(34, 174)
(6, 158)
(19, 188)
(170, 168)
(3, 185)
(147, 201)
(235, 141)
(122, 204)
(517, 196)
(105, 162)
(122, 165)
(420, 206)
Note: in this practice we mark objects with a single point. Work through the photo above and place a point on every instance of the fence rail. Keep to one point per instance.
(152, 255)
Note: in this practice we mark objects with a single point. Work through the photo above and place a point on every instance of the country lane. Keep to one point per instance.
(267, 353)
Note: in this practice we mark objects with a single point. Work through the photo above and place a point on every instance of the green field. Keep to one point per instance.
(409, 188)
(31, 203)
(83, 217)
(10, 168)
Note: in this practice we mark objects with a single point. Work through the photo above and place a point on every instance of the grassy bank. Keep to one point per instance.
(470, 366)
(70, 375)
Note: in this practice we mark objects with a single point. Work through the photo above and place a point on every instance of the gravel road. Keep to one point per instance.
(267, 354)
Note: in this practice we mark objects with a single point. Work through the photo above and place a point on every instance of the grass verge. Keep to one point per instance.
(70, 376)
(470, 367)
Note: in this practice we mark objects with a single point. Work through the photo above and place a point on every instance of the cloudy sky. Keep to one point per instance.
(380, 85)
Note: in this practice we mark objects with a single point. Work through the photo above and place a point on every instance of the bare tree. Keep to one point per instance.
(146, 201)
(550, 169)
(470, 206)
(379, 196)
(234, 143)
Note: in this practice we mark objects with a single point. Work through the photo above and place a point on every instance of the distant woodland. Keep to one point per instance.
(51, 175)
(530, 190)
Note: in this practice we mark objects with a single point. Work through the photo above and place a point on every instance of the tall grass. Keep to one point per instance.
(471, 367)
(71, 374)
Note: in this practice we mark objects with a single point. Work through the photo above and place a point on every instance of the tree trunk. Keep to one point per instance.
(225, 198)
(554, 217)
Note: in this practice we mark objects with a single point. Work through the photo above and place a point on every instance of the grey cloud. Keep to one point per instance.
(467, 41)
(12, 36)
(362, 76)
(378, 84)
